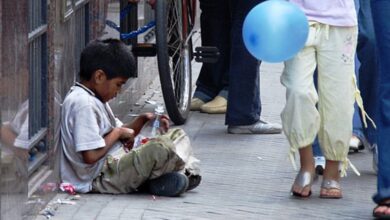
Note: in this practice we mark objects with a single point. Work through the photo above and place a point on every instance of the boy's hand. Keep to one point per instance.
(164, 120)
(123, 134)
(127, 137)
(152, 3)
(143, 118)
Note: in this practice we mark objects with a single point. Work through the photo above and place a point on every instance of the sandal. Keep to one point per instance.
(381, 215)
(329, 186)
(303, 179)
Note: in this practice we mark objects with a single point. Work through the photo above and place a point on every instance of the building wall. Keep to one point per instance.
(23, 193)
(13, 84)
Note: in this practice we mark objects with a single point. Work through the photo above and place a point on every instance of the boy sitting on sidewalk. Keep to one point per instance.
(92, 138)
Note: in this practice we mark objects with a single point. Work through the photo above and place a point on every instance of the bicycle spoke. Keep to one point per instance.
(176, 39)
(176, 55)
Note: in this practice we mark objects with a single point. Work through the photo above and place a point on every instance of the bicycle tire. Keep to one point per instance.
(174, 55)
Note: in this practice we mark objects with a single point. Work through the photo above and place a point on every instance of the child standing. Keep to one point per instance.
(93, 159)
(331, 48)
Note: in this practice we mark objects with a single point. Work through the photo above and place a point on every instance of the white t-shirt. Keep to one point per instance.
(85, 120)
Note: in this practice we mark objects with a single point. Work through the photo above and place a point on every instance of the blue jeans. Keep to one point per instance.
(368, 74)
(244, 106)
(381, 18)
(215, 24)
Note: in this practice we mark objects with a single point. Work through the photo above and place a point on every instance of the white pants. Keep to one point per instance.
(332, 50)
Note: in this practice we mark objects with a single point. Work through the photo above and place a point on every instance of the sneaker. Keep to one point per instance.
(216, 106)
(355, 144)
(196, 103)
(375, 158)
(260, 127)
(319, 164)
(169, 184)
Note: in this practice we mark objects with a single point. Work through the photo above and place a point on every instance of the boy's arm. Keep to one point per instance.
(139, 122)
(142, 119)
(119, 133)
(8, 137)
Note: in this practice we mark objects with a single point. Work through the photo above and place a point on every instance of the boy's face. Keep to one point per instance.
(107, 89)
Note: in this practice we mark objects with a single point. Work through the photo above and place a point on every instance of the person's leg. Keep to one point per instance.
(126, 172)
(300, 117)
(368, 73)
(358, 139)
(335, 76)
(244, 105)
(381, 17)
(215, 32)
(304, 179)
(316, 149)
(319, 159)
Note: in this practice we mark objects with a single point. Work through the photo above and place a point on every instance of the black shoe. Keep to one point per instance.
(194, 181)
(319, 164)
(169, 184)
(319, 170)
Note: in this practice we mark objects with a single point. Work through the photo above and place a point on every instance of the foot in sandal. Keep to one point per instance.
(302, 184)
(330, 189)
(382, 210)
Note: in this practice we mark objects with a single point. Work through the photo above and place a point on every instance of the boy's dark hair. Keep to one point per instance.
(110, 55)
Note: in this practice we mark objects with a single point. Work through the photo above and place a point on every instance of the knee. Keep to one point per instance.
(299, 95)
(155, 150)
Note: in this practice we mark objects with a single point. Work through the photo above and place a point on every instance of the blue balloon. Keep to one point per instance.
(275, 30)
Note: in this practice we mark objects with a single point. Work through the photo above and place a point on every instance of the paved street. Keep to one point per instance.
(244, 176)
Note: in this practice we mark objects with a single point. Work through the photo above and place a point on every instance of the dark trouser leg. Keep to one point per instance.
(215, 28)
(381, 17)
(244, 106)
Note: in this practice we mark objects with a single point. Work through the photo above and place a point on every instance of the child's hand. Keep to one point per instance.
(165, 123)
(146, 116)
(164, 120)
(127, 138)
(152, 3)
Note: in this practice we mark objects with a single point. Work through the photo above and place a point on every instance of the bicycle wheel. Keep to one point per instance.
(174, 54)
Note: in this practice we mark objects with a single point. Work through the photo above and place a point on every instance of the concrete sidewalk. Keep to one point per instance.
(244, 176)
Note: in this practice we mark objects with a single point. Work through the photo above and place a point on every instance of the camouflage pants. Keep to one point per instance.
(125, 172)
